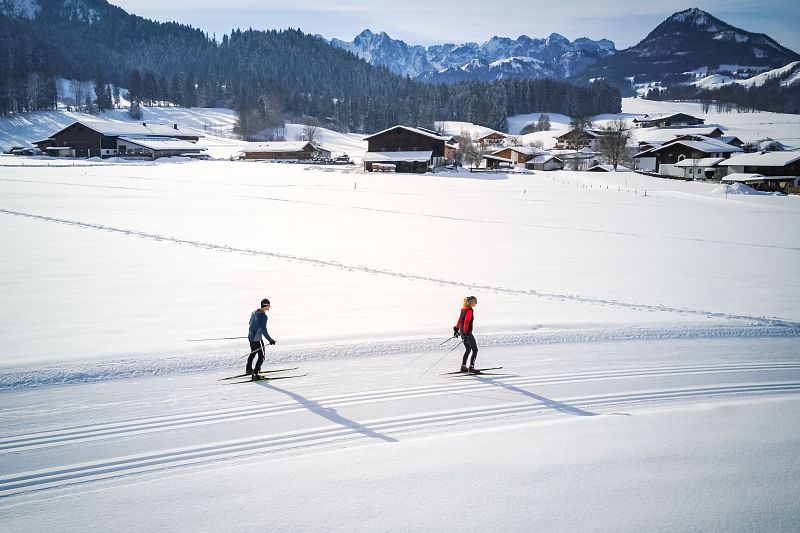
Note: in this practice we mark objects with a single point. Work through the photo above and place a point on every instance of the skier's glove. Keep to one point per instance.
(272, 341)
(455, 331)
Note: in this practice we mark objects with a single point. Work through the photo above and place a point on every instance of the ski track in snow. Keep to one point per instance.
(415, 214)
(158, 365)
(127, 427)
(774, 321)
(385, 429)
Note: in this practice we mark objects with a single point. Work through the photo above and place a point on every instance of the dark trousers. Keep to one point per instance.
(256, 348)
(471, 346)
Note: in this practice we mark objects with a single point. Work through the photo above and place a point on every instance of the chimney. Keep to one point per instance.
(175, 125)
(144, 124)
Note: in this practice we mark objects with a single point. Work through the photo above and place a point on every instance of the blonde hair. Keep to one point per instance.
(468, 299)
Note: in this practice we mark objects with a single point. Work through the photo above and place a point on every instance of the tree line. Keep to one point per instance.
(266, 76)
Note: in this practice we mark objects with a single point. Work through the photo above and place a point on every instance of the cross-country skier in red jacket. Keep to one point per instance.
(464, 328)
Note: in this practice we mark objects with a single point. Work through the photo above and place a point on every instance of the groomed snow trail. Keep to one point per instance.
(180, 422)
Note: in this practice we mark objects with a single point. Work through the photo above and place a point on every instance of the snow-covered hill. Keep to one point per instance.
(786, 76)
(649, 345)
(214, 125)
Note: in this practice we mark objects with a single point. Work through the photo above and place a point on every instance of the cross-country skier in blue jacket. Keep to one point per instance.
(256, 335)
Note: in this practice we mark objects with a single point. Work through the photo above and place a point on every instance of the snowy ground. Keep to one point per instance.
(648, 330)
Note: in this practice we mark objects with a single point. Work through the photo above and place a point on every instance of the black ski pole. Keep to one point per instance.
(442, 357)
(430, 350)
(217, 339)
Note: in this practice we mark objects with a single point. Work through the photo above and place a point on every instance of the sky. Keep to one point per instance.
(425, 22)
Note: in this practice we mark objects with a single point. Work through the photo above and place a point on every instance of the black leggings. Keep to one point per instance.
(471, 346)
(256, 348)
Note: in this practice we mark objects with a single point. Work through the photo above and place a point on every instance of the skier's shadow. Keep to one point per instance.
(329, 413)
(553, 404)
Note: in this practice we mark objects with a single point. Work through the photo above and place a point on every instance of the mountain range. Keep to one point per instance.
(684, 43)
(499, 57)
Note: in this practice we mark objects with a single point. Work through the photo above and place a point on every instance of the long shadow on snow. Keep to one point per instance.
(553, 404)
(328, 412)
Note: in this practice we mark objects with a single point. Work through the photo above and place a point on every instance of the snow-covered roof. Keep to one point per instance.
(741, 177)
(414, 130)
(163, 143)
(493, 134)
(544, 158)
(763, 159)
(390, 157)
(117, 128)
(277, 146)
(708, 146)
(527, 150)
(497, 158)
(665, 116)
(704, 162)
(609, 168)
(668, 134)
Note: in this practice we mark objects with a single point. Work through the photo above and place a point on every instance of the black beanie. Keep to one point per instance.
(264, 302)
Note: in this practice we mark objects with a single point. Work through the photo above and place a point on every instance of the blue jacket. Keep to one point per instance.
(258, 326)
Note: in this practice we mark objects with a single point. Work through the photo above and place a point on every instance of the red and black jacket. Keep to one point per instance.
(465, 320)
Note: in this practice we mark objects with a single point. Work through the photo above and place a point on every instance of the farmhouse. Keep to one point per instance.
(281, 150)
(667, 121)
(768, 164)
(413, 150)
(577, 139)
(108, 138)
(492, 140)
(519, 154)
(545, 162)
(663, 159)
(497, 162)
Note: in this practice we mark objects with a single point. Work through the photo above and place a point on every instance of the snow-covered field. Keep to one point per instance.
(648, 330)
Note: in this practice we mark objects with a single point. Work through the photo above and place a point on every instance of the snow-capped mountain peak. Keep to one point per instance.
(499, 57)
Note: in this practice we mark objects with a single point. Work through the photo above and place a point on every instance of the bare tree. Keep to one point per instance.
(311, 132)
(544, 123)
(614, 141)
(581, 123)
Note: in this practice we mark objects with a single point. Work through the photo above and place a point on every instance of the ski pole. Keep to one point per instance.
(430, 350)
(442, 357)
(217, 339)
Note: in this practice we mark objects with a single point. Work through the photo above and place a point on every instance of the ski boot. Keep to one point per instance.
(256, 377)
(463, 369)
(472, 370)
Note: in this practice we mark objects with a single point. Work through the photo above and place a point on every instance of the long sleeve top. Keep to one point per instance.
(465, 320)
(258, 326)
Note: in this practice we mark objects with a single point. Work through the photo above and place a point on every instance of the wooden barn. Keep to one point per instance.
(281, 151)
(410, 150)
(100, 138)
(668, 121)
(519, 154)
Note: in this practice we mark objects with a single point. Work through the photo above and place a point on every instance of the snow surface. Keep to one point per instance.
(648, 331)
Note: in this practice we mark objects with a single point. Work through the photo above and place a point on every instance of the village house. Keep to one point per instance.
(667, 121)
(496, 162)
(108, 138)
(492, 140)
(577, 139)
(407, 149)
(663, 159)
(282, 151)
(768, 164)
(545, 162)
(519, 154)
